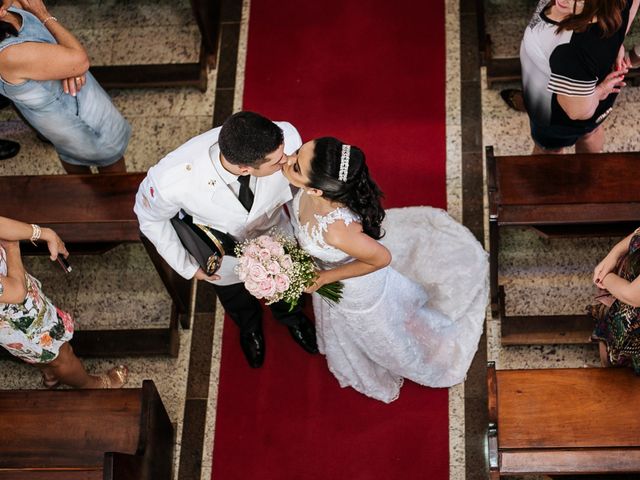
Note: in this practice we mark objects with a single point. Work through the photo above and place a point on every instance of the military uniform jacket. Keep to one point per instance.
(187, 179)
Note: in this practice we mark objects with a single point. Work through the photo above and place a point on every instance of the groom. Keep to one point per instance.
(228, 178)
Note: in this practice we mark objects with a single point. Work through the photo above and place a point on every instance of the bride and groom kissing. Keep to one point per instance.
(415, 281)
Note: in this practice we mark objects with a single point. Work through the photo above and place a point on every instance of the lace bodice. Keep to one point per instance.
(311, 236)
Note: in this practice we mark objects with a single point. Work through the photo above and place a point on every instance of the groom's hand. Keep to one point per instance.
(201, 275)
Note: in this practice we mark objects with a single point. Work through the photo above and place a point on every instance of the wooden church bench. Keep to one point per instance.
(93, 213)
(580, 421)
(557, 196)
(85, 434)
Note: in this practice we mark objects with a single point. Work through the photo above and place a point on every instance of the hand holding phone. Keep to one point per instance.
(64, 264)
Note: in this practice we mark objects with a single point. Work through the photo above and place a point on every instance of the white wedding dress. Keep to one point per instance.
(420, 318)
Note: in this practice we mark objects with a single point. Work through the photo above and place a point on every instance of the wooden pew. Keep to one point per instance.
(85, 434)
(558, 196)
(563, 421)
(93, 213)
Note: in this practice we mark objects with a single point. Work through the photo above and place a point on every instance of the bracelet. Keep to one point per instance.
(35, 234)
(50, 17)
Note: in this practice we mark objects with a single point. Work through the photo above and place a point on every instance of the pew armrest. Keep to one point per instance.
(123, 466)
(156, 442)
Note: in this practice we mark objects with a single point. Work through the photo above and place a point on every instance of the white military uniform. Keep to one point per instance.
(193, 179)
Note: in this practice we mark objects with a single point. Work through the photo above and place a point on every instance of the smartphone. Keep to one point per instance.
(64, 264)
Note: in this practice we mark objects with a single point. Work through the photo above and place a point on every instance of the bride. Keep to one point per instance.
(413, 303)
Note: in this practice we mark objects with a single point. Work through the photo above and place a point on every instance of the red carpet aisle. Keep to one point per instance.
(373, 76)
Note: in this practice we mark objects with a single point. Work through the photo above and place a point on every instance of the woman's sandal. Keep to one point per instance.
(117, 377)
(513, 98)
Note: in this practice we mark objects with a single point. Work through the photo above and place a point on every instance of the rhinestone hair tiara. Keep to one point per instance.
(344, 163)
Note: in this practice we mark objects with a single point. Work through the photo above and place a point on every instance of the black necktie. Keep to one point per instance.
(246, 195)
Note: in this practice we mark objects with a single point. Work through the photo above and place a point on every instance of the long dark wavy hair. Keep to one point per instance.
(359, 192)
(608, 15)
(7, 29)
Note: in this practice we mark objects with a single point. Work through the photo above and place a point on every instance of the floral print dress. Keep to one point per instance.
(35, 329)
(619, 325)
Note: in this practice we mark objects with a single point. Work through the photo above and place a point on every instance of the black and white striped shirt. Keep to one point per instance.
(566, 63)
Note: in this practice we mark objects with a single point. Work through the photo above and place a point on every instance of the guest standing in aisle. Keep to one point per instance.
(573, 67)
(44, 72)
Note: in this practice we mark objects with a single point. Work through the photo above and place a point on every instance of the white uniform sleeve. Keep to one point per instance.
(154, 214)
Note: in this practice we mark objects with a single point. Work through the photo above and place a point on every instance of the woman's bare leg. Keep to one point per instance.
(537, 150)
(68, 369)
(118, 167)
(592, 142)
(75, 169)
(604, 355)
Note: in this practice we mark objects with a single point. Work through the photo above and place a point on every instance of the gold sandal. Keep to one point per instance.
(117, 377)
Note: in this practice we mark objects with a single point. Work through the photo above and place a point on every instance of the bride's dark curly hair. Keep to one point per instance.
(359, 192)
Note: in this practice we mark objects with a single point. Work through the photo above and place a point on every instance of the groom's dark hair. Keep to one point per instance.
(246, 138)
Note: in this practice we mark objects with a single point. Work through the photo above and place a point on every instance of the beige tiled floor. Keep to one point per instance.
(454, 207)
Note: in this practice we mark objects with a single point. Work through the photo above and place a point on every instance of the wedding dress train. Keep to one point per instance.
(420, 318)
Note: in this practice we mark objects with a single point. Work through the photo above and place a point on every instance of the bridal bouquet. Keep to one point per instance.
(275, 268)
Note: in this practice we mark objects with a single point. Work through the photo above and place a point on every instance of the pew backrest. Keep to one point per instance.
(563, 189)
(81, 208)
(85, 434)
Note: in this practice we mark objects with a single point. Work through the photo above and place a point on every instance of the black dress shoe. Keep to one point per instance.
(8, 149)
(252, 344)
(304, 333)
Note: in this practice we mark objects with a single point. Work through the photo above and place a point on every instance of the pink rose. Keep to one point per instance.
(267, 288)
(285, 262)
(247, 262)
(257, 273)
(252, 250)
(273, 268)
(264, 254)
(264, 240)
(252, 287)
(276, 249)
(282, 283)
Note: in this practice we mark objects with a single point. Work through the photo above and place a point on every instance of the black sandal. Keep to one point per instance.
(513, 98)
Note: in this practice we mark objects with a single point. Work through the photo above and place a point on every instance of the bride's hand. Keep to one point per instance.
(319, 282)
